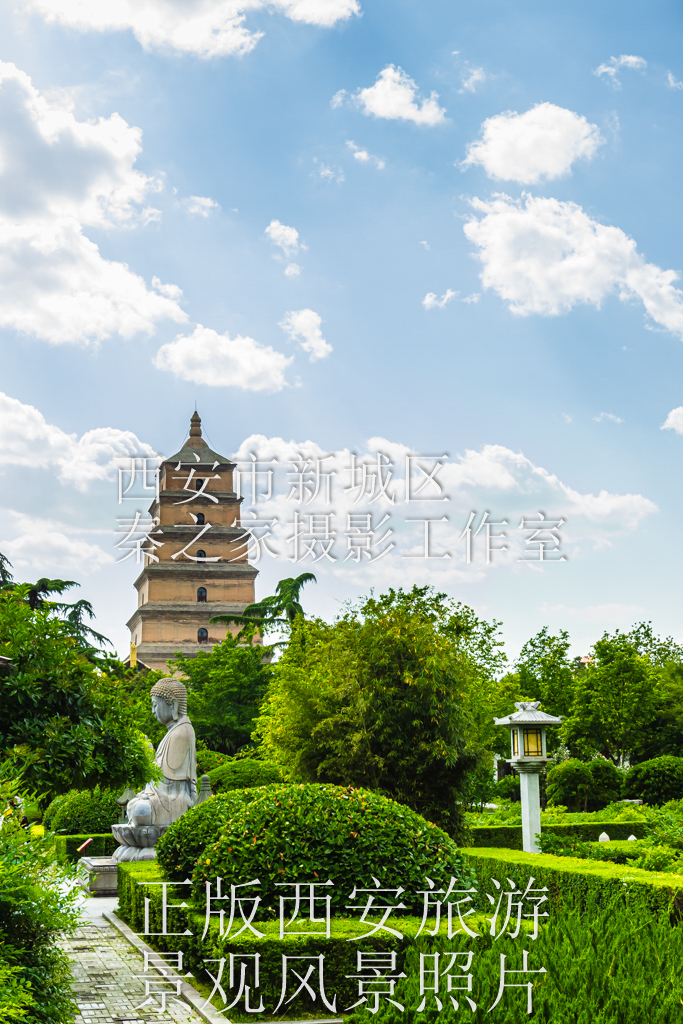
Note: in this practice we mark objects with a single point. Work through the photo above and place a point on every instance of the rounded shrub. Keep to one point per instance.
(312, 832)
(656, 781)
(178, 849)
(207, 760)
(86, 811)
(54, 806)
(243, 773)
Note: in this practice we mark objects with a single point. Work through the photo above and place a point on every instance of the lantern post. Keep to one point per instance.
(527, 727)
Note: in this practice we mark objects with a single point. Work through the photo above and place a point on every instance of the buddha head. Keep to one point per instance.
(169, 700)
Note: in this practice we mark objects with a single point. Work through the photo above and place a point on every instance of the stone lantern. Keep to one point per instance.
(527, 728)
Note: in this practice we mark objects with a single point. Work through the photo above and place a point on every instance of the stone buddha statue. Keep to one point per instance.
(159, 804)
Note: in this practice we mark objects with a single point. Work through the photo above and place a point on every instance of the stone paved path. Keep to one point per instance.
(105, 984)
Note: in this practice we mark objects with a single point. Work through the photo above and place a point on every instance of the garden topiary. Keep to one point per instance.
(178, 849)
(656, 781)
(54, 807)
(242, 773)
(207, 760)
(304, 833)
(86, 811)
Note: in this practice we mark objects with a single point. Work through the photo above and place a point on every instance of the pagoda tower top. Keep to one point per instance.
(196, 449)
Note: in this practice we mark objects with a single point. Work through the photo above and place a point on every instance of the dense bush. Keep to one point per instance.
(243, 773)
(584, 785)
(656, 781)
(54, 806)
(35, 909)
(207, 760)
(306, 832)
(86, 811)
(178, 849)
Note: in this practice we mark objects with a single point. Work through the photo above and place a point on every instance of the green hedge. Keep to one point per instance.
(602, 967)
(340, 954)
(510, 836)
(101, 846)
(577, 884)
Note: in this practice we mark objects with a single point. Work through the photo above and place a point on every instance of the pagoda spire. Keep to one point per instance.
(195, 425)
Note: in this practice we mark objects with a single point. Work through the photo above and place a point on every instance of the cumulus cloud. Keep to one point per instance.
(431, 301)
(674, 421)
(204, 28)
(495, 478)
(544, 256)
(613, 67)
(395, 96)
(201, 206)
(292, 270)
(303, 325)
(541, 144)
(284, 237)
(45, 547)
(364, 157)
(673, 82)
(217, 360)
(28, 440)
(57, 176)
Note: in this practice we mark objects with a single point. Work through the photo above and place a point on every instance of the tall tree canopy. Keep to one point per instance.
(379, 699)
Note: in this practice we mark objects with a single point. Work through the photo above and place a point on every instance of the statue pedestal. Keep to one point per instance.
(137, 842)
(101, 875)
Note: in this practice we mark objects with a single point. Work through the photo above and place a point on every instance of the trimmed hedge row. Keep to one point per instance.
(101, 846)
(577, 884)
(136, 882)
(510, 836)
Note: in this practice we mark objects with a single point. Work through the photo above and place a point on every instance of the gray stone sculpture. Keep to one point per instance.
(151, 811)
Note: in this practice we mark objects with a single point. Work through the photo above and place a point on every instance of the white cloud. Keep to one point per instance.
(431, 301)
(27, 440)
(201, 205)
(544, 256)
(473, 298)
(566, 417)
(612, 69)
(426, 245)
(674, 421)
(394, 96)
(303, 325)
(541, 144)
(292, 270)
(284, 237)
(338, 99)
(217, 360)
(51, 549)
(494, 478)
(672, 82)
(608, 416)
(205, 28)
(472, 78)
(57, 176)
(364, 157)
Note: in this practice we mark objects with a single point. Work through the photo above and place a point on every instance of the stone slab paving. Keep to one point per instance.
(106, 970)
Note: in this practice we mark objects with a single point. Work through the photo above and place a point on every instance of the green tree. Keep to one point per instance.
(225, 688)
(280, 609)
(62, 716)
(614, 698)
(379, 699)
(545, 671)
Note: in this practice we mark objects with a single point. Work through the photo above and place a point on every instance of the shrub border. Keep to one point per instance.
(101, 846)
(510, 836)
(578, 884)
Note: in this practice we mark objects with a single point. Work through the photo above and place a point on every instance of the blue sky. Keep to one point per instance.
(343, 130)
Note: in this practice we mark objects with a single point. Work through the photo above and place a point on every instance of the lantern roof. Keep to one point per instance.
(528, 714)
